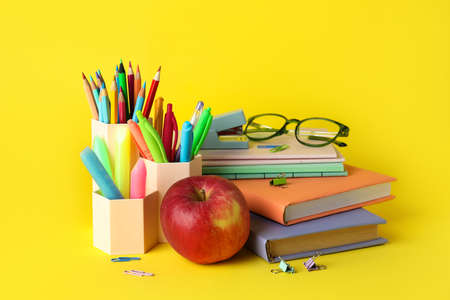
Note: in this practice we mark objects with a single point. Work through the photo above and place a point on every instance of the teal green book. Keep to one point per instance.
(274, 175)
(282, 168)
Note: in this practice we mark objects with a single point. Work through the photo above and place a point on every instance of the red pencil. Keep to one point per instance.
(122, 107)
(131, 101)
(151, 94)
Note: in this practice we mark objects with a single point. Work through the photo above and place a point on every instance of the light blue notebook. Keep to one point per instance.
(357, 227)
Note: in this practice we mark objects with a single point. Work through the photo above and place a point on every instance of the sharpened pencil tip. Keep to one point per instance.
(137, 69)
(129, 63)
(103, 85)
(145, 82)
(84, 76)
(159, 69)
(91, 77)
(117, 68)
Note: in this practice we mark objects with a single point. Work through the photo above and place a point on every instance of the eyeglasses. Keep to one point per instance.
(312, 132)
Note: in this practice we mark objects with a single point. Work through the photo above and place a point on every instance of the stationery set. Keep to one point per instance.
(302, 197)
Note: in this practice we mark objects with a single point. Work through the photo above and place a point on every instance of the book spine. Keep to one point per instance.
(257, 244)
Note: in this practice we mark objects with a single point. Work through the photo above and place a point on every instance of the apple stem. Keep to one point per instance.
(201, 195)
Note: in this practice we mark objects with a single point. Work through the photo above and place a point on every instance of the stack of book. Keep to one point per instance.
(310, 215)
(258, 161)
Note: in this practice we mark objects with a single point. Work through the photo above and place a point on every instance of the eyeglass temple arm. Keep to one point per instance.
(322, 138)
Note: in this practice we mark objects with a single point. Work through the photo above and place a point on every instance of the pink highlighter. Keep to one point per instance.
(138, 176)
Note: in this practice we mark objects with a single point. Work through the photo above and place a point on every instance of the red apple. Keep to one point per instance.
(205, 218)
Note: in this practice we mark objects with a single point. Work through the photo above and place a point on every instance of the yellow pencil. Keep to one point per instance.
(114, 105)
(159, 112)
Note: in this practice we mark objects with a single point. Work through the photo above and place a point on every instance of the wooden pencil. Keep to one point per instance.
(137, 84)
(122, 107)
(90, 97)
(131, 101)
(151, 94)
(114, 104)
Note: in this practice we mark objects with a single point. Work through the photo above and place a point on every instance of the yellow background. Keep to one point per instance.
(380, 67)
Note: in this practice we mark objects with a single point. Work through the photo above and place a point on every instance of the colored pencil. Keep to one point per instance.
(122, 107)
(95, 92)
(90, 97)
(113, 99)
(106, 109)
(151, 94)
(137, 84)
(123, 84)
(99, 80)
(139, 103)
(159, 115)
(130, 77)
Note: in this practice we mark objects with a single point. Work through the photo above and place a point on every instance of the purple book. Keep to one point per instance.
(335, 233)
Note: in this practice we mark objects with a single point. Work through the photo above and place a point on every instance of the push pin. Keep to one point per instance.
(138, 273)
(280, 181)
(311, 265)
(284, 267)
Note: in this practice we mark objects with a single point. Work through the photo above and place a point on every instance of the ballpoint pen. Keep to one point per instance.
(186, 142)
(170, 126)
(201, 131)
(197, 112)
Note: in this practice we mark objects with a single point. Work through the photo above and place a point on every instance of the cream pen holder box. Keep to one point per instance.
(125, 226)
(161, 176)
(110, 133)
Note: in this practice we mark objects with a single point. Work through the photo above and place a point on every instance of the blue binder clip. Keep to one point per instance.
(226, 132)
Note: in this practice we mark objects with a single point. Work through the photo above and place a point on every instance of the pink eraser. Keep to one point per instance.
(138, 174)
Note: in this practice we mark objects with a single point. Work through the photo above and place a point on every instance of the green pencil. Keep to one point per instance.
(123, 83)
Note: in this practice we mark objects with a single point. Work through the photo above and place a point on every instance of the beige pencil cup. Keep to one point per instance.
(161, 176)
(109, 133)
(125, 226)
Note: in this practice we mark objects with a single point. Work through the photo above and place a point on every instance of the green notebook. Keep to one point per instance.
(283, 168)
(273, 175)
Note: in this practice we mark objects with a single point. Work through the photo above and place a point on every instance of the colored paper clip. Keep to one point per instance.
(267, 146)
(280, 181)
(138, 273)
(124, 258)
(311, 265)
(279, 148)
(284, 267)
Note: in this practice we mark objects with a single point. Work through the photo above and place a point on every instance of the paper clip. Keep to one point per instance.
(138, 273)
(311, 265)
(124, 258)
(279, 148)
(284, 267)
(267, 146)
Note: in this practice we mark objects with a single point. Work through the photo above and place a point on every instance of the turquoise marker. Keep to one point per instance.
(186, 142)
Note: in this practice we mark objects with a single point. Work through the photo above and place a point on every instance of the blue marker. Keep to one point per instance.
(186, 142)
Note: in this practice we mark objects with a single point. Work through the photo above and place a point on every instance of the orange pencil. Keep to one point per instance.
(137, 84)
(90, 97)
